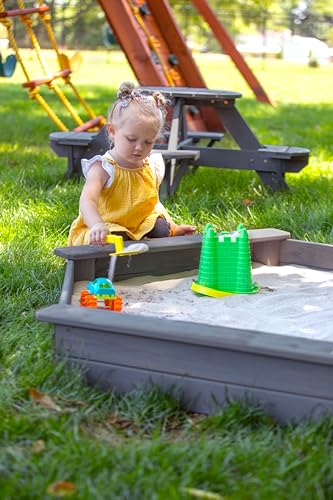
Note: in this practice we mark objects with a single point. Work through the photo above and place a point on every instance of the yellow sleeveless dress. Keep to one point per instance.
(130, 204)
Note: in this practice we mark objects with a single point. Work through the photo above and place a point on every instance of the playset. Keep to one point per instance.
(152, 42)
(49, 78)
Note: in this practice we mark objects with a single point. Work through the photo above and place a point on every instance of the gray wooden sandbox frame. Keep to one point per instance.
(290, 377)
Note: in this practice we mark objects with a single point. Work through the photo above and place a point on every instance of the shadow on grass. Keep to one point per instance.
(303, 125)
(306, 125)
(26, 157)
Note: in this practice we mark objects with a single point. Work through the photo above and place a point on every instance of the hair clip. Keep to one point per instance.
(124, 102)
(126, 97)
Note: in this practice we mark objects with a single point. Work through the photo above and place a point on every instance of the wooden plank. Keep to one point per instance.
(174, 243)
(68, 284)
(229, 47)
(155, 245)
(195, 95)
(165, 256)
(163, 263)
(307, 253)
(254, 369)
(283, 152)
(73, 138)
(171, 33)
(85, 270)
(23, 12)
(186, 66)
(243, 340)
(133, 42)
(266, 252)
(205, 396)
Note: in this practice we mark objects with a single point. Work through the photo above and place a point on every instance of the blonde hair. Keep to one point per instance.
(132, 100)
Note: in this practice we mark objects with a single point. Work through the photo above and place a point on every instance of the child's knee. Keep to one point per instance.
(160, 230)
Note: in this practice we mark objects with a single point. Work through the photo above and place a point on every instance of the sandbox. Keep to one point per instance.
(204, 363)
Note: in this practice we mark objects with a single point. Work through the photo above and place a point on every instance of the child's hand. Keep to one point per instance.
(98, 233)
(183, 229)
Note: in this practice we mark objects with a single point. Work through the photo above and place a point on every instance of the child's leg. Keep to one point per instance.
(160, 230)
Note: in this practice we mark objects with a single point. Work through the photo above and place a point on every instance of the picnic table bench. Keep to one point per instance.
(78, 145)
(185, 148)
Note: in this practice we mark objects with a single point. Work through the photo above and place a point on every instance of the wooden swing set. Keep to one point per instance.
(48, 78)
(152, 43)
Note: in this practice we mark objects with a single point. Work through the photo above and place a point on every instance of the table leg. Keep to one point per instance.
(238, 128)
(176, 125)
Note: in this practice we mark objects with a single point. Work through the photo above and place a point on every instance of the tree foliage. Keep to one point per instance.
(81, 23)
(301, 17)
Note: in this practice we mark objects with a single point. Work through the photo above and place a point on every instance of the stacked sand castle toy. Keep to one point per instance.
(225, 263)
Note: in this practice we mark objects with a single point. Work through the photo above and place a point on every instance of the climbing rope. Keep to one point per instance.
(63, 60)
(47, 79)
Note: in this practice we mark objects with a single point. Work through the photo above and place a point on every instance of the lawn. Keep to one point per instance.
(61, 437)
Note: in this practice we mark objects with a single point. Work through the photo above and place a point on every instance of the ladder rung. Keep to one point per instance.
(32, 84)
(22, 12)
(94, 122)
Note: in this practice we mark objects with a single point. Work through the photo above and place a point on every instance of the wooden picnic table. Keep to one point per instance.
(186, 148)
(271, 162)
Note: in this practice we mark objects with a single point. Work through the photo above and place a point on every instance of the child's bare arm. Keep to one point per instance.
(91, 192)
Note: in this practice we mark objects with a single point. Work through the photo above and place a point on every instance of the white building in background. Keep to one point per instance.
(290, 48)
(257, 45)
(4, 43)
(3, 37)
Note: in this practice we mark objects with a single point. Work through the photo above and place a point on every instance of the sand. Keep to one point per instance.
(293, 300)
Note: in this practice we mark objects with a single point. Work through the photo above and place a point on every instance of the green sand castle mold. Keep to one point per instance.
(225, 263)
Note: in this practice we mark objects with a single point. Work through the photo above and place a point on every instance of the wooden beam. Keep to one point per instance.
(229, 47)
(123, 24)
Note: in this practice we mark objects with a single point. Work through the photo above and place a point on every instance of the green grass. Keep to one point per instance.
(145, 445)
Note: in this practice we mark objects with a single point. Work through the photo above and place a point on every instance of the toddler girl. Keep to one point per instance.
(120, 194)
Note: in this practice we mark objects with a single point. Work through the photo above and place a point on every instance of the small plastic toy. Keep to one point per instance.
(101, 288)
(101, 294)
(121, 251)
(225, 264)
